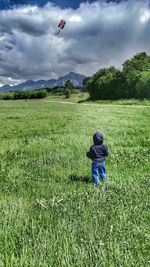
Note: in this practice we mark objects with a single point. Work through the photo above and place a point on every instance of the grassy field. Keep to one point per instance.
(51, 215)
(83, 97)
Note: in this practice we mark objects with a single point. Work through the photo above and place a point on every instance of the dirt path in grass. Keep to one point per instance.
(90, 104)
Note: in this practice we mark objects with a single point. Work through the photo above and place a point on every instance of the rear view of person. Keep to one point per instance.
(98, 153)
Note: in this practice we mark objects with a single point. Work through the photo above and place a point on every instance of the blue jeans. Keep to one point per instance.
(98, 170)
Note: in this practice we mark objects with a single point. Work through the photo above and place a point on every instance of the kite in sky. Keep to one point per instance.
(60, 26)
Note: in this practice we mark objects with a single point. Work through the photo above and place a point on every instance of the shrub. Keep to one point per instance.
(25, 94)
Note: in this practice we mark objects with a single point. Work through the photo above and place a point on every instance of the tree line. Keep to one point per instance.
(23, 94)
(66, 90)
(133, 81)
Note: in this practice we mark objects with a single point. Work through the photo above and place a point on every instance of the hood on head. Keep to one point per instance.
(98, 138)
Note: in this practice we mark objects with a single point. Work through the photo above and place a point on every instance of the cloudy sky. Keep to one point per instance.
(97, 34)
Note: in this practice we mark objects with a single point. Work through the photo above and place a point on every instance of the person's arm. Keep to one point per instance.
(106, 150)
(89, 154)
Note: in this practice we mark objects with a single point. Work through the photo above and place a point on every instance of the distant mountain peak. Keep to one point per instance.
(75, 78)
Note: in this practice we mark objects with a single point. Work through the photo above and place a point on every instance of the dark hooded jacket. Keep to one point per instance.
(98, 151)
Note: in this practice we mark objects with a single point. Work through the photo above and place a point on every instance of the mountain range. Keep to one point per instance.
(75, 78)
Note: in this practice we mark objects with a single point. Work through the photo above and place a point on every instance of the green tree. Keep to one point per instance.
(106, 84)
(134, 79)
(143, 85)
(132, 82)
(140, 62)
(69, 85)
(68, 89)
(67, 93)
(85, 82)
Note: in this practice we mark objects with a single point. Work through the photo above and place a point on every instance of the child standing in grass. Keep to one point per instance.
(98, 153)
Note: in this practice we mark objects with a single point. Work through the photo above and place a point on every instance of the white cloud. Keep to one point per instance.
(75, 18)
(96, 35)
(145, 16)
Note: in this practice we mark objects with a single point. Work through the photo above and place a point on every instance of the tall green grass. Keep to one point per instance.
(51, 213)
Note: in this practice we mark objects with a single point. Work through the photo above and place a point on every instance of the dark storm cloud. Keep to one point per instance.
(31, 23)
(96, 35)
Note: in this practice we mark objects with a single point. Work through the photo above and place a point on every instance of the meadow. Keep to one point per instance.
(51, 215)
